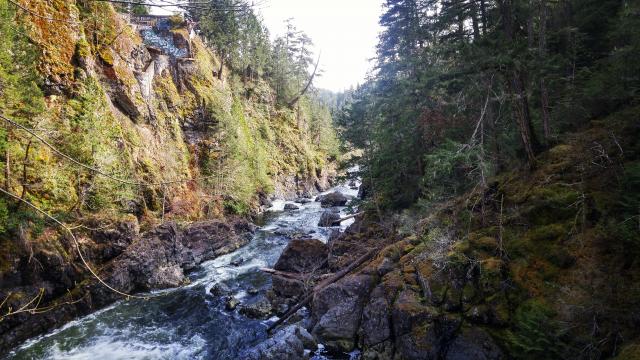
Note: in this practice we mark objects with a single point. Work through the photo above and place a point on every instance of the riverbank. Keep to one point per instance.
(190, 321)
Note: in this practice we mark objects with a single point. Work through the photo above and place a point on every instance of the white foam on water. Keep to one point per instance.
(106, 347)
(277, 205)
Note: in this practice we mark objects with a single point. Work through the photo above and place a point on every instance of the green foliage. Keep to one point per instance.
(140, 9)
(4, 216)
(20, 96)
(450, 170)
(235, 207)
(491, 78)
(626, 227)
(535, 334)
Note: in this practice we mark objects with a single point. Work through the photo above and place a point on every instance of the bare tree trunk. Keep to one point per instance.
(542, 49)
(25, 164)
(461, 27)
(7, 165)
(304, 90)
(518, 91)
(221, 68)
(483, 14)
(544, 99)
(523, 118)
(474, 20)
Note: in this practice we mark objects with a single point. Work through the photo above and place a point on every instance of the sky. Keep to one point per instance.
(344, 31)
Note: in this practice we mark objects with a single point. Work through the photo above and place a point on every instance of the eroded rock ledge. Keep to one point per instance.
(132, 262)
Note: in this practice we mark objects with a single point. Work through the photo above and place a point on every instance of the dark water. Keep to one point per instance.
(185, 323)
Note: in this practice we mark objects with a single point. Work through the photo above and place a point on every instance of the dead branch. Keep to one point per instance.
(339, 275)
(304, 90)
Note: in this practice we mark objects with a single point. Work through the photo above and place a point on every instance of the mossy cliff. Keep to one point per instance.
(166, 140)
(541, 264)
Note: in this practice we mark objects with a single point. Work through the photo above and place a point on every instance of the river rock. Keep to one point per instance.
(328, 219)
(303, 201)
(232, 303)
(264, 200)
(259, 308)
(290, 206)
(207, 240)
(151, 262)
(335, 198)
(253, 291)
(289, 343)
(337, 310)
(220, 289)
(236, 262)
(302, 256)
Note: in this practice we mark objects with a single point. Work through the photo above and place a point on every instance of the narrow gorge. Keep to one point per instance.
(177, 183)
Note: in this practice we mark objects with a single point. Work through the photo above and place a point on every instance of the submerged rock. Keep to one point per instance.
(220, 289)
(232, 303)
(259, 308)
(236, 262)
(253, 291)
(290, 206)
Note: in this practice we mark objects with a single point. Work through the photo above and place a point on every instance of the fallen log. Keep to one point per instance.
(290, 275)
(337, 222)
(324, 283)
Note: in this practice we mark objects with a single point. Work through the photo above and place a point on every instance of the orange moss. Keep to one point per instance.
(56, 39)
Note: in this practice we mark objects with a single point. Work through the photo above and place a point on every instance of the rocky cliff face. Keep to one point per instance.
(176, 143)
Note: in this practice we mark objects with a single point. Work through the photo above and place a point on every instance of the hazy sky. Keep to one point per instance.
(345, 31)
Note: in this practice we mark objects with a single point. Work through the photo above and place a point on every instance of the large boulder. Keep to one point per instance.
(303, 256)
(151, 262)
(328, 219)
(288, 343)
(207, 240)
(422, 331)
(337, 310)
(375, 327)
(287, 287)
(335, 198)
(307, 257)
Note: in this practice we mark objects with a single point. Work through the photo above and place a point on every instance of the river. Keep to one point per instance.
(187, 322)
